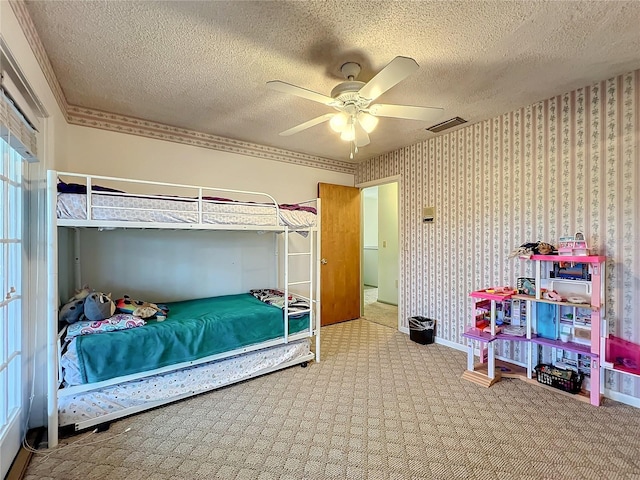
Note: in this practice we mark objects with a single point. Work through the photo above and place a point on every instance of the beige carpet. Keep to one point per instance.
(378, 406)
(378, 312)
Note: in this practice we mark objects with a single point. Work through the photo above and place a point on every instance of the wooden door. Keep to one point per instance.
(340, 253)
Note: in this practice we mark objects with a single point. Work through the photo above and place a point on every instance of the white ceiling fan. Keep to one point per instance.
(356, 116)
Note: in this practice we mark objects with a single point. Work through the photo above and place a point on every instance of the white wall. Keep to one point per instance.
(102, 152)
(370, 236)
(166, 266)
(388, 243)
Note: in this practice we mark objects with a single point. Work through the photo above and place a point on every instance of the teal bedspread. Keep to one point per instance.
(193, 329)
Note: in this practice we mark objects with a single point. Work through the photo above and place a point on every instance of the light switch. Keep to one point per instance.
(384, 244)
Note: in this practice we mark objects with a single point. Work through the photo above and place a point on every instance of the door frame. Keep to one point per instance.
(376, 183)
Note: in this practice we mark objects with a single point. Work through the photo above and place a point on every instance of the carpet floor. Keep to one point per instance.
(377, 406)
(378, 312)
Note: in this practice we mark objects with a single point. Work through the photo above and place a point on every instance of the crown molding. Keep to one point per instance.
(33, 39)
(89, 117)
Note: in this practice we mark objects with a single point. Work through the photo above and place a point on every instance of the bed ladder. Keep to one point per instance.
(310, 282)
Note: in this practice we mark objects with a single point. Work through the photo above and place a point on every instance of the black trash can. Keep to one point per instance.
(422, 330)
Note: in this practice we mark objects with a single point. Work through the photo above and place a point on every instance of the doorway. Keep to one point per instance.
(380, 253)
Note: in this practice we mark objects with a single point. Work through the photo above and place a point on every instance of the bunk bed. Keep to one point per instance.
(204, 343)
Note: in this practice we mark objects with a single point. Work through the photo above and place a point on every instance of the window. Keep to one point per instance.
(11, 211)
(17, 146)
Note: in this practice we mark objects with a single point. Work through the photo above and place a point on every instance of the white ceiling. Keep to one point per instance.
(204, 65)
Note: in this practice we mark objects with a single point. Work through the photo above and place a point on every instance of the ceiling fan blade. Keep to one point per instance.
(425, 114)
(283, 87)
(307, 124)
(362, 137)
(397, 70)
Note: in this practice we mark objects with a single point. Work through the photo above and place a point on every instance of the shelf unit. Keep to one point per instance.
(485, 372)
(593, 292)
(589, 344)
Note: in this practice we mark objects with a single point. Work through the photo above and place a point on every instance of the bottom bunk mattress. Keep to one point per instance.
(134, 396)
(194, 329)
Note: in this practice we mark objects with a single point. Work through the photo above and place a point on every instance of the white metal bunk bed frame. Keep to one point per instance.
(54, 336)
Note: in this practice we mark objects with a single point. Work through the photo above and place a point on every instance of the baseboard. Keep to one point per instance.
(441, 341)
(450, 344)
(622, 398)
(23, 458)
(387, 303)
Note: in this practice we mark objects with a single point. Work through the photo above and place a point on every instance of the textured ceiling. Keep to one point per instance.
(204, 65)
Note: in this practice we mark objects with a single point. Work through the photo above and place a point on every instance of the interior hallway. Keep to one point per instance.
(378, 312)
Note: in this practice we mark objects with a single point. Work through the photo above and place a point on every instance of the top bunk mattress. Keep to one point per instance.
(193, 329)
(131, 208)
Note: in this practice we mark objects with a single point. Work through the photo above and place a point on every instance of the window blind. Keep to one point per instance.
(15, 128)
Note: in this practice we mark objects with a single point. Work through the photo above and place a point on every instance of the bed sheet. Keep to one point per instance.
(194, 329)
(73, 206)
(192, 380)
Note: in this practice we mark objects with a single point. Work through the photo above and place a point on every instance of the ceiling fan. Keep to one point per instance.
(356, 117)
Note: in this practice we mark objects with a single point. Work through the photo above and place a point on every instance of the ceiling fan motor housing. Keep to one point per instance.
(347, 94)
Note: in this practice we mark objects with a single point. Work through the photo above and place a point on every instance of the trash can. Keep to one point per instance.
(422, 330)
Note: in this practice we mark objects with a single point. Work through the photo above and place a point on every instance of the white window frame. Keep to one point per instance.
(12, 168)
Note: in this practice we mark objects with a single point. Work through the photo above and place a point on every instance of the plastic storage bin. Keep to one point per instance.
(422, 330)
(559, 378)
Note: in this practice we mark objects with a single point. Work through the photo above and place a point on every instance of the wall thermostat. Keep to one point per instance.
(428, 214)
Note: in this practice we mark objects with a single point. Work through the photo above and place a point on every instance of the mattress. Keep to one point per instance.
(110, 207)
(194, 329)
(167, 386)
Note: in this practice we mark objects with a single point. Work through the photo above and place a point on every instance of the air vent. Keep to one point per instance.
(453, 122)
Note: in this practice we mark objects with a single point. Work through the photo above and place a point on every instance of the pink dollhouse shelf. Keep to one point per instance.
(569, 346)
(624, 355)
(570, 258)
(477, 334)
(490, 294)
(514, 338)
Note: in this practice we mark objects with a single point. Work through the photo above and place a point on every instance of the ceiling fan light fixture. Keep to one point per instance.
(367, 121)
(338, 122)
(356, 114)
(348, 134)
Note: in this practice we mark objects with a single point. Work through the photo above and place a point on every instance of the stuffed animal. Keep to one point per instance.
(87, 305)
(72, 311)
(141, 309)
(98, 306)
(534, 248)
(81, 294)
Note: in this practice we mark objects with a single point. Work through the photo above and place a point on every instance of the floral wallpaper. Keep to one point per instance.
(566, 164)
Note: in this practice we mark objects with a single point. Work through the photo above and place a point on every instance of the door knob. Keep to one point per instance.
(323, 261)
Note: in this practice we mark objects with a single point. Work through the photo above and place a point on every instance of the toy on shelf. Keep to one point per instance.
(494, 293)
(526, 250)
(552, 295)
(573, 245)
(526, 286)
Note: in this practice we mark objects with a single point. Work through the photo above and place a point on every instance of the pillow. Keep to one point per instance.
(78, 188)
(119, 321)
